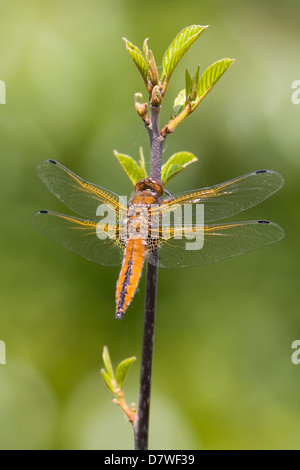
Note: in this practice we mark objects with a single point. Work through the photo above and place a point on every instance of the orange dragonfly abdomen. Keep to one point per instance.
(130, 274)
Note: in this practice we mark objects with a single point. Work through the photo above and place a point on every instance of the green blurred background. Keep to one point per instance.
(223, 376)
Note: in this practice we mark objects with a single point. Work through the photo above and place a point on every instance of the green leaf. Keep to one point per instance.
(107, 362)
(137, 56)
(177, 49)
(189, 93)
(193, 94)
(142, 161)
(110, 383)
(146, 50)
(135, 171)
(196, 78)
(210, 77)
(122, 370)
(188, 82)
(176, 163)
(179, 102)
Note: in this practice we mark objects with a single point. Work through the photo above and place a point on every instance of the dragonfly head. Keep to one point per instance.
(150, 183)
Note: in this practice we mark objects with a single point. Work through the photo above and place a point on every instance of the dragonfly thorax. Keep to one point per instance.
(136, 225)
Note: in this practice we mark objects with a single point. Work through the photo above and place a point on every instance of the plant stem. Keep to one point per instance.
(129, 412)
(142, 422)
(156, 143)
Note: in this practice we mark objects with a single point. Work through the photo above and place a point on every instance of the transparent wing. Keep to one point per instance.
(77, 194)
(220, 241)
(82, 236)
(229, 198)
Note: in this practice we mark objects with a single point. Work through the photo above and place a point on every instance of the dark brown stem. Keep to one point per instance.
(142, 423)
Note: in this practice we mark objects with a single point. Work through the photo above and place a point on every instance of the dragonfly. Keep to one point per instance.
(145, 229)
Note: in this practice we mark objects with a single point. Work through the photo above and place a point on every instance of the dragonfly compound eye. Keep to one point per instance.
(141, 185)
(154, 185)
